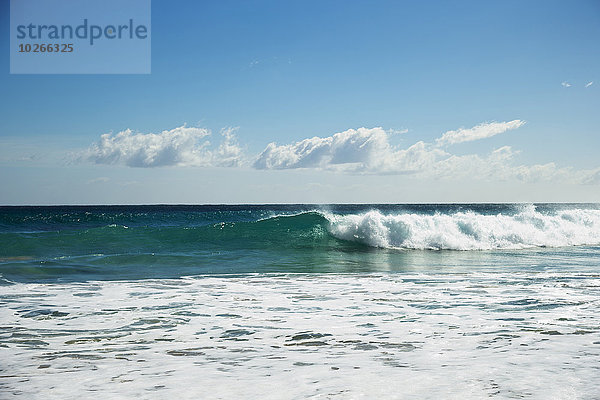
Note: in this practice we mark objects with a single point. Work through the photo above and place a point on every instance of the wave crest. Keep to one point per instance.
(469, 230)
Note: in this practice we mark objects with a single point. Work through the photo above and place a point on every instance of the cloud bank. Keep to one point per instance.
(369, 151)
(355, 146)
(357, 151)
(183, 146)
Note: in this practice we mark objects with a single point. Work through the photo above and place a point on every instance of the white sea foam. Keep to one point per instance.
(412, 336)
(470, 230)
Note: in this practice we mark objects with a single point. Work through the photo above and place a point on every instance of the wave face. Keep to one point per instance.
(469, 230)
(131, 242)
(303, 230)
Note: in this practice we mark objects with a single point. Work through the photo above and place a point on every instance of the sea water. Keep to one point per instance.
(300, 301)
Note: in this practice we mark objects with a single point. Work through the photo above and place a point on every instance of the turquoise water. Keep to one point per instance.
(334, 301)
(137, 242)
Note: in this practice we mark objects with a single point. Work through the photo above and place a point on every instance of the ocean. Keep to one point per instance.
(408, 301)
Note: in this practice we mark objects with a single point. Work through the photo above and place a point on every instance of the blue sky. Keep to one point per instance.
(286, 72)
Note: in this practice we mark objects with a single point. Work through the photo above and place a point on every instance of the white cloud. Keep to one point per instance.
(181, 146)
(357, 151)
(499, 165)
(363, 148)
(480, 131)
(587, 85)
(368, 151)
(566, 84)
(229, 153)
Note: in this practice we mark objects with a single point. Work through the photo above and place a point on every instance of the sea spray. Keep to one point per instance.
(469, 230)
(139, 242)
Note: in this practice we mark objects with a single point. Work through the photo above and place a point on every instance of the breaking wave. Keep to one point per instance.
(469, 230)
(66, 245)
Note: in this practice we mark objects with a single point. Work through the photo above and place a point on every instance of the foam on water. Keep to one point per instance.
(410, 336)
(204, 302)
(469, 230)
